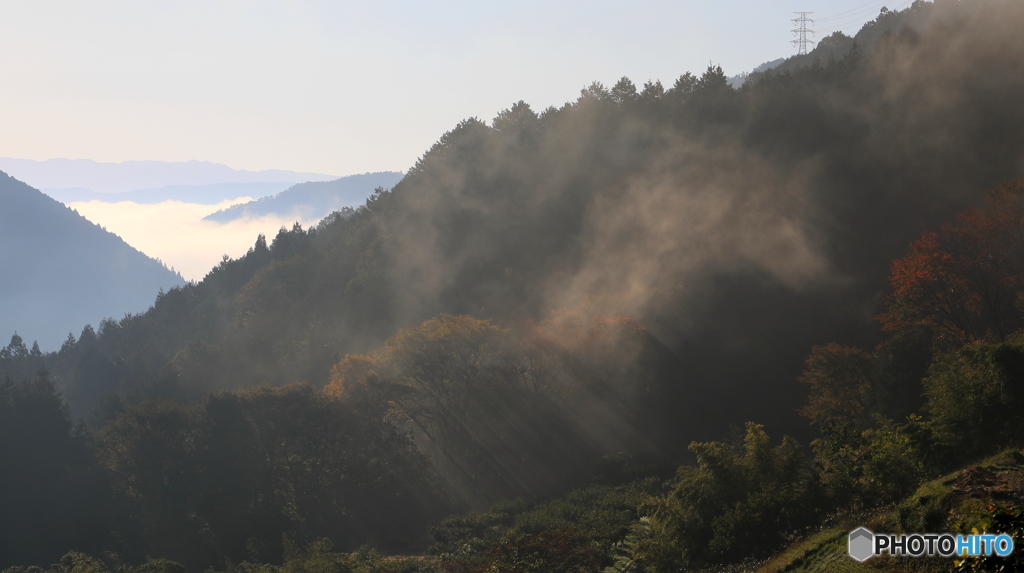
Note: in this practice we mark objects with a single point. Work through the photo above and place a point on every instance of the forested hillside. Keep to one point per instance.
(837, 45)
(61, 272)
(575, 297)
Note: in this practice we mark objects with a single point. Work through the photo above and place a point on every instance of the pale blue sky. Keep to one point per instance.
(340, 87)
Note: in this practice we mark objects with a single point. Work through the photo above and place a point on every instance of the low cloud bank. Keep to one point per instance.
(176, 233)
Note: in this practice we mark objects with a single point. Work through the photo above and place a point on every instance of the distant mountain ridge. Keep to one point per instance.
(135, 175)
(60, 271)
(314, 199)
(209, 194)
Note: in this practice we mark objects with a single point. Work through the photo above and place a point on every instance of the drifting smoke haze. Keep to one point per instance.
(175, 233)
(740, 227)
(774, 210)
(691, 219)
(695, 211)
(647, 214)
(634, 271)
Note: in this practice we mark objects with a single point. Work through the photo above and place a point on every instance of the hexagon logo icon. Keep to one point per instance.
(861, 544)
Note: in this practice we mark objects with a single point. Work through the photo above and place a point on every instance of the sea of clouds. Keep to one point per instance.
(175, 233)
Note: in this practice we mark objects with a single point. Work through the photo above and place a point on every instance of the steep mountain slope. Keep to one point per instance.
(956, 502)
(480, 310)
(834, 47)
(740, 226)
(313, 199)
(61, 272)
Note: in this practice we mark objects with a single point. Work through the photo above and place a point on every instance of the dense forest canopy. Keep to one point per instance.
(739, 227)
(631, 273)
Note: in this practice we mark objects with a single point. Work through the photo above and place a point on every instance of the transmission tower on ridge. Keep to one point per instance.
(801, 33)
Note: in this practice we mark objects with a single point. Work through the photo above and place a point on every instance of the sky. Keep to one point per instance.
(333, 86)
(345, 87)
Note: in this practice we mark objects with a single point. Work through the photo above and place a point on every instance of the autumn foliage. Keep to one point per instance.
(505, 411)
(945, 385)
(965, 281)
(961, 285)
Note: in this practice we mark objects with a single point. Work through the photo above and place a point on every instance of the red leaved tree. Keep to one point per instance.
(965, 281)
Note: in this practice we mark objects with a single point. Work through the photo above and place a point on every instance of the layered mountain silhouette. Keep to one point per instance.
(209, 194)
(204, 182)
(60, 271)
(134, 175)
(313, 199)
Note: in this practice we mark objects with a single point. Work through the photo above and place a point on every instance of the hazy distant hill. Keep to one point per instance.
(737, 81)
(61, 271)
(314, 199)
(203, 194)
(134, 175)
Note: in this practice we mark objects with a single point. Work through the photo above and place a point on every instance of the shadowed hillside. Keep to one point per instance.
(571, 297)
(62, 272)
(739, 227)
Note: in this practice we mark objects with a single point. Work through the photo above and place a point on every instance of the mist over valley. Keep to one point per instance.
(660, 327)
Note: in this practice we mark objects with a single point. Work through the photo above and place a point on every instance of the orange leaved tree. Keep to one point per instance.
(965, 281)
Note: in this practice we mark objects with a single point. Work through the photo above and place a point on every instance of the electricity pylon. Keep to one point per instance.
(801, 33)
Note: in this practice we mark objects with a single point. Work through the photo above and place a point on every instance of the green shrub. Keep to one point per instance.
(867, 467)
(976, 399)
(739, 501)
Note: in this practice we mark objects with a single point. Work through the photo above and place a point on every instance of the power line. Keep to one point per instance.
(870, 6)
(801, 33)
(859, 17)
(856, 20)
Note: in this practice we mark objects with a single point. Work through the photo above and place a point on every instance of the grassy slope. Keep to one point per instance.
(948, 503)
